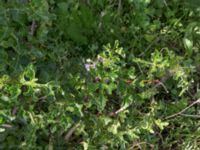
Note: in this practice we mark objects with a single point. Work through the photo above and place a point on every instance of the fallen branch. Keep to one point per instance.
(182, 111)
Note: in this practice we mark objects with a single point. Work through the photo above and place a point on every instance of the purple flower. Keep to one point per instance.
(90, 66)
(87, 67)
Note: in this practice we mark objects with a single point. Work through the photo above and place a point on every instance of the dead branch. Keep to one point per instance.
(182, 111)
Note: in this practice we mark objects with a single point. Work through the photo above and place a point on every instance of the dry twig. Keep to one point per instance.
(117, 111)
(7, 126)
(192, 116)
(182, 111)
(33, 27)
(71, 131)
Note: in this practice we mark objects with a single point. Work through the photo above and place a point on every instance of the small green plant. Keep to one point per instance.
(61, 87)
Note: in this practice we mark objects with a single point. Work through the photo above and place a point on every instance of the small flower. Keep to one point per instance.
(87, 67)
(90, 66)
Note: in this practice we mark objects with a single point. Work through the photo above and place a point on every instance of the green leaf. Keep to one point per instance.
(101, 102)
(114, 128)
(29, 73)
(161, 124)
(188, 43)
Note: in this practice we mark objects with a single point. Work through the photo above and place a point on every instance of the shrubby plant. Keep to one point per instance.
(63, 87)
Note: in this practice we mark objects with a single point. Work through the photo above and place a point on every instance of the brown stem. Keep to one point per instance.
(33, 27)
(6, 126)
(183, 110)
(71, 131)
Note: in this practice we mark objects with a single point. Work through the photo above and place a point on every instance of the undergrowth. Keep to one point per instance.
(99, 74)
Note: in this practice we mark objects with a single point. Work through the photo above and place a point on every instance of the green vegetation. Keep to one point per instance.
(100, 74)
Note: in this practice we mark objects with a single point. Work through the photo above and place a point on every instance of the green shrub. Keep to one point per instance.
(62, 87)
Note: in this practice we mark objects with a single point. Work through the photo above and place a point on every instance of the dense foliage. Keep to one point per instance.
(100, 74)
